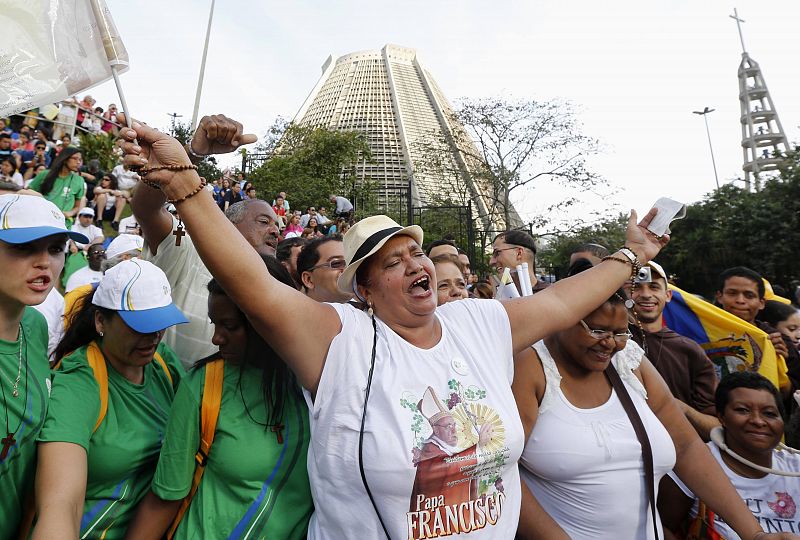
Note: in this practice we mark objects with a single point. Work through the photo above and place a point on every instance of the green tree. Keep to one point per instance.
(310, 164)
(508, 145)
(555, 254)
(101, 148)
(504, 146)
(733, 227)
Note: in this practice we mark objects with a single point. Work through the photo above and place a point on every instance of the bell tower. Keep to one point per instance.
(764, 142)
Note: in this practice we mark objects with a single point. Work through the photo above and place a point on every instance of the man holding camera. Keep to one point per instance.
(682, 363)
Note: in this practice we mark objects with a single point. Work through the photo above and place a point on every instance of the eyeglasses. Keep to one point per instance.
(335, 264)
(496, 252)
(600, 335)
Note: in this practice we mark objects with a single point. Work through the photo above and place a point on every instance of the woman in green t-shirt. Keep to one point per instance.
(109, 405)
(32, 241)
(62, 184)
(255, 483)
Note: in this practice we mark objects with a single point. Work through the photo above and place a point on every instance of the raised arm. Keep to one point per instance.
(148, 208)
(211, 137)
(234, 262)
(60, 490)
(564, 303)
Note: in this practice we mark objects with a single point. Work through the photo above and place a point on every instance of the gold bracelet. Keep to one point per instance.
(199, 188)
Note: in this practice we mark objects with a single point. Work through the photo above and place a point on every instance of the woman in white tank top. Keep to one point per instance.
(582, 461)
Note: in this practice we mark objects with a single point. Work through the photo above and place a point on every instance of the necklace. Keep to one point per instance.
(276, 428)
(8, 441)
(15, 383)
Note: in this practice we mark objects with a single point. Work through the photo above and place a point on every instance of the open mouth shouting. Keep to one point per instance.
(421, 286)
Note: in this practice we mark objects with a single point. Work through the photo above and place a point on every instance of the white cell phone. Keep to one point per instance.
(668, 211)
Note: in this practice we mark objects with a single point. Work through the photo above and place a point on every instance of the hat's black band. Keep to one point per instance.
(373, 241)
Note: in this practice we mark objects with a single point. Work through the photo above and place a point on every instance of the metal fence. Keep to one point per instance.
(68, 121)
(451, 222)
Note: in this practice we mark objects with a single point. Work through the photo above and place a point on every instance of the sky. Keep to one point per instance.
(635, 71)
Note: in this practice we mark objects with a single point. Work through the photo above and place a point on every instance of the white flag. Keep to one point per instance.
(51, 50)
(506, 290)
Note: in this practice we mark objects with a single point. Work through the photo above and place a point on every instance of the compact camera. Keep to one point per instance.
(644, 276)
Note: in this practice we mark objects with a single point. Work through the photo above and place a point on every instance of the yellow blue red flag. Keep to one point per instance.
(731, 343)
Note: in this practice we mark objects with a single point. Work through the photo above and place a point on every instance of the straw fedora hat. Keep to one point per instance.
(364, 239)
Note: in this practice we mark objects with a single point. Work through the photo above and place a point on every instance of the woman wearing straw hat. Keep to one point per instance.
(108, 411)
(33, 235)
(365, 371)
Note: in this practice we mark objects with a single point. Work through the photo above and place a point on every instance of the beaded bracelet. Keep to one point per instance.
(144, 171)
(199, 188)
(619, 260)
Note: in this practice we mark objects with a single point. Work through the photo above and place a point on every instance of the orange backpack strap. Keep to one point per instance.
(209, 413)
(163, 365)
(98, 364)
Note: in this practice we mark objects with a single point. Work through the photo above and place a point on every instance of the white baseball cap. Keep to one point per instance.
(86, 211)
(364, 239)
(124, 243)
(25, 218)
(140, 294)
(659, 270)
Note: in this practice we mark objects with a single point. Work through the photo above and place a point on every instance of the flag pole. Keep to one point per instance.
(122, 99)
(114, 48)
(202, 69)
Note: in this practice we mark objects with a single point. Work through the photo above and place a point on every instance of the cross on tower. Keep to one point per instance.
(739, 22)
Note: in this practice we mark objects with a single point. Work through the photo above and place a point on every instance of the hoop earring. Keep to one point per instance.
(101, 334)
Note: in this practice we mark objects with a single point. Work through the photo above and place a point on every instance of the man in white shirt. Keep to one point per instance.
(88, 274)
(344, 208)
(310, 212)
(125, 179)
(86, 227)
(254, 218)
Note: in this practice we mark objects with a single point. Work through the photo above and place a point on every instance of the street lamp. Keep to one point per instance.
(704, 114)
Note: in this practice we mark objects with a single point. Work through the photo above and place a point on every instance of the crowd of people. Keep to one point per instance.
(356, 380)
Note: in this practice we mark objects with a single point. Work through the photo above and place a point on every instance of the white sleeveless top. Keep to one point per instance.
(585, 466)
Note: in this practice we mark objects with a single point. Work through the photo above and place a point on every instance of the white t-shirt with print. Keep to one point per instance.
(188, 277)
(466, 490)
(772, 499)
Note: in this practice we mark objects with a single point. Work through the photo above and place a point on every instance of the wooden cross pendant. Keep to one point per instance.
(8, 442)
(277, 430)
(178, 232)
